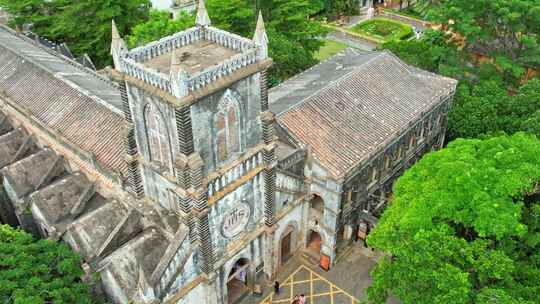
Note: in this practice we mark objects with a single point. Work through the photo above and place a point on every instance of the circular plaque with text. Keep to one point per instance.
(235, 220)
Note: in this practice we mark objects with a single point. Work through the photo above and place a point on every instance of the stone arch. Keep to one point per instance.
(157, 136)
(236, 278)
(317, 202)
(228, 123)
(292, 231)
(321, 234)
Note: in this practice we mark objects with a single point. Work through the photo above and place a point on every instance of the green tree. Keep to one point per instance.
(294, 38)
(158, 25)
(486, 107)
(237, 16)
(38, 271)
(335, 8)
(84, 25)
(507, 30)
(434, 52)
(464, 226)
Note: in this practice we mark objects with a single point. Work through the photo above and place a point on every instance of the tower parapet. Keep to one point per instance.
(203, 52)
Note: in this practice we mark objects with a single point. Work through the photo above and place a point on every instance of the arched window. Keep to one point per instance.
(227, 123)
(158, 137)
(221, 137)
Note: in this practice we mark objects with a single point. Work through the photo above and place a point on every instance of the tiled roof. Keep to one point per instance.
(346, 120)
(65, 98)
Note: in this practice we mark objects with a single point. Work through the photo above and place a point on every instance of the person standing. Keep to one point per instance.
(302, 299)
(276, 287)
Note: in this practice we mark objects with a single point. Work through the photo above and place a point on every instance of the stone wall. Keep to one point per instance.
(249, 194)
(246, 94)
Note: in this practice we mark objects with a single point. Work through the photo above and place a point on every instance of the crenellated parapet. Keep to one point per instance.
(227, 53)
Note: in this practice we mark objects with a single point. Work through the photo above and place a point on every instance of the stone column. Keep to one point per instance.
(264, 90)
(184, 130)
(132, 156)
(200, 212)
(182, 169)
(267, 119)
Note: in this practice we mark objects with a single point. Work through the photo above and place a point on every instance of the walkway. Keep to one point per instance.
(354, 43)
(348, 280)
(315, 287)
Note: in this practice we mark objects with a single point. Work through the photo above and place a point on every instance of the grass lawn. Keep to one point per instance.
(384, 29)
(329, 49)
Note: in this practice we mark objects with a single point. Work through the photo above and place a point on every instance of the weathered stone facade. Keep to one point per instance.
(197, 176)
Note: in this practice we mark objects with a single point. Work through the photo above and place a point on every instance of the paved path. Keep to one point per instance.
(316, 288)
(346, 282)
(358, 44)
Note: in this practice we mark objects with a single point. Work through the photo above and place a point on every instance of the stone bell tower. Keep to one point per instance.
(196, 103)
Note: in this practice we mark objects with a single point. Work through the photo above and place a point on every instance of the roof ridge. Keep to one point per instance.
(331, 84)
(60, 56)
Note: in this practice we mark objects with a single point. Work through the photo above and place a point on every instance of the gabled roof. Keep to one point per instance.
(64, 97)
(348, 107)
(25, 176)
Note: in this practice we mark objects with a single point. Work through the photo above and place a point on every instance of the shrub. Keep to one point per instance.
(384, 29)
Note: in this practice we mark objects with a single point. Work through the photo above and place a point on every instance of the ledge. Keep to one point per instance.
(193, 97)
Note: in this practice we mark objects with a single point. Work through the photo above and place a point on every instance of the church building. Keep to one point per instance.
(182, 178)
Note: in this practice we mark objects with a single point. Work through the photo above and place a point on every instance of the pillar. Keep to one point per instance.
(201, 213)
(267, 119)
(134, 178)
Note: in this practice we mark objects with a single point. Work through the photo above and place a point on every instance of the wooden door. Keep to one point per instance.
(286, 248)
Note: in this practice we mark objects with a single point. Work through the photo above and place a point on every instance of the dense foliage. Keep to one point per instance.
(488, 108)
(334, 8)
(85, 26)
(464, 226)
(158, 25)
(507, 30)
(294, 38)
(34, 272)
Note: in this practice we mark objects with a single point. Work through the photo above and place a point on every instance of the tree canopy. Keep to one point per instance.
(85, 26)
(159, 24)
(335, 8)
(34, 272)
(433, 52)
(507, 30)
(464, 226)
(487, 108)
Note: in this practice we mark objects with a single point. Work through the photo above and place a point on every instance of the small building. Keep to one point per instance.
(175, 6)
(186, 180)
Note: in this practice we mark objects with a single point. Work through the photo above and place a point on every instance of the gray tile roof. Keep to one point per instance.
(24, 176)
(301, 86)
(367, 100)
(64, 97)
(57, 200)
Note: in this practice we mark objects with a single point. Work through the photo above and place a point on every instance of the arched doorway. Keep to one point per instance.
(314, 242)
(237, 281)
(287, 243)
(317, 204)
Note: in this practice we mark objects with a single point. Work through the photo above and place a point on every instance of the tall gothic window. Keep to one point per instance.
(158, 137)
(227, 127)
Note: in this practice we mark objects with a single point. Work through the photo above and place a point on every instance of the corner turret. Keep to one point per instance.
(260, 37)
(178, 77)
(118, 46)
(202, 15)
